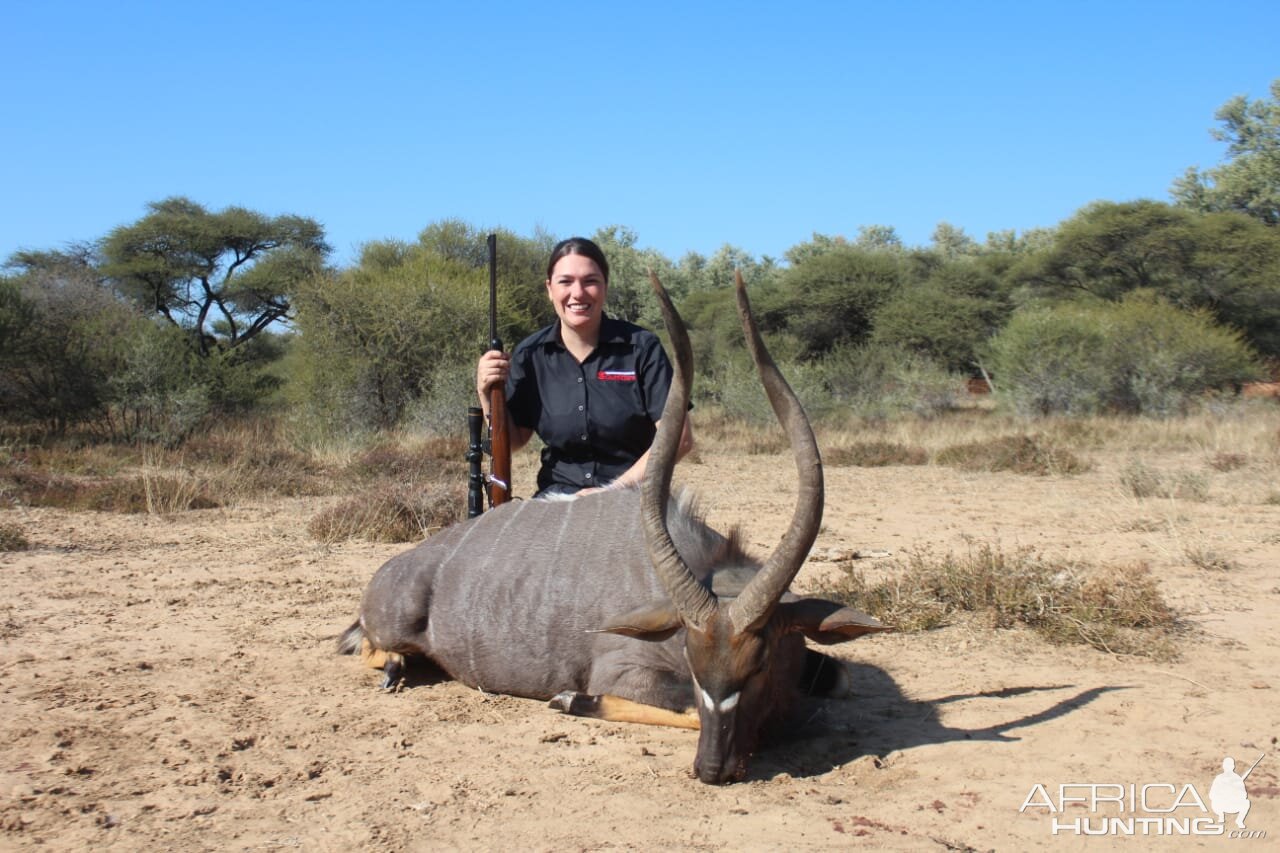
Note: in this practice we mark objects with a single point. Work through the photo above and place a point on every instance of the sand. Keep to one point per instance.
(170, 683)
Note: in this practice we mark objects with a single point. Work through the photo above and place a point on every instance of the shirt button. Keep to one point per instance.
(579, 380)
(584, 436)
(579, 408)
(588, 476)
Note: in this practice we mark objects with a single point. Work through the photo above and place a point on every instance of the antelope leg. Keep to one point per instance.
(393, 671)
(391, 663)
(371, 657)
(618, 710)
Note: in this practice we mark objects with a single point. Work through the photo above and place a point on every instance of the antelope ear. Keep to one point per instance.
(653, 622)
(825, 622)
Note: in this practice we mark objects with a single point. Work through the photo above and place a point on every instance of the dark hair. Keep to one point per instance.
(578, 246)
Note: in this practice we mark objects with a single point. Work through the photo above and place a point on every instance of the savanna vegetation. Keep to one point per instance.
(196, 358)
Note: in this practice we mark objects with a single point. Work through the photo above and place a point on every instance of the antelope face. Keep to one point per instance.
(732, 646)
(733, 691)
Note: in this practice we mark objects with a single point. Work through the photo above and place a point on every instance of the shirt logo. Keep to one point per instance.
(616, 376)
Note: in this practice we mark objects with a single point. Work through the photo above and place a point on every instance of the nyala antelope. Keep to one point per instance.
(624, 605)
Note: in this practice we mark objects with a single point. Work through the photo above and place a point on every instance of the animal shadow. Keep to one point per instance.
(878, 719)
(420, 672)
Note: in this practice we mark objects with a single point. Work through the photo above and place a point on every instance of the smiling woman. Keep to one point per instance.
(591, 387)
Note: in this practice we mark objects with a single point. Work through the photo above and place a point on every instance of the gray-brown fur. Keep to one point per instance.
(511, 601)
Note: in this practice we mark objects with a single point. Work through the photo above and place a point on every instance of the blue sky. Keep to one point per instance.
(695, 124)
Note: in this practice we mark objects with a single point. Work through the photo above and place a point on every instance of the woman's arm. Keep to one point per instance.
(634, 474)
(491, 372)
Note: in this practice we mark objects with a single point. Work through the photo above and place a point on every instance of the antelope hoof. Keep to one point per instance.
(392, 672)
(573, 702)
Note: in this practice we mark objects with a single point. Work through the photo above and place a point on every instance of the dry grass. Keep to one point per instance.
(408, 461)
(1225, 462)
(874, 454)
(135, 493)
(389, 512)
(1230, 428)
(400, 488)
(404, 490)
(12, 538)
(1020, 454)
(1227, 428)
(1116, 609)
(236, 462)
(1204, 556)
(220, 468)
(1142, 481)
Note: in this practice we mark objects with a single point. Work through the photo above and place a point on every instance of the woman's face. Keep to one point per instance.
(577, 289)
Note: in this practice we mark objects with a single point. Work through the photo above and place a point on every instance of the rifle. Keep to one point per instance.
(499, 440)
(475, 452)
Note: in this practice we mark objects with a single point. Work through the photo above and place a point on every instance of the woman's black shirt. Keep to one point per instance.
(595, 418)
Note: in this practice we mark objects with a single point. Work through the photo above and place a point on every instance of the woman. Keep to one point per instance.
(590, 386)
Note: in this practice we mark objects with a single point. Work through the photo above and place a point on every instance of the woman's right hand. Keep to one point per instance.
(491, 372)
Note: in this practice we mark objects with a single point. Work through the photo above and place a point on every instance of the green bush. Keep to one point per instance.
(157, 395)
(878, 381)
(736, 388)
(375, 338)
(1140, 356)
(946, 317)
(61, 339)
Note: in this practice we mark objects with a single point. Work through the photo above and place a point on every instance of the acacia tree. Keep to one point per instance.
(1249, 182)
(222, 276)
(1226, 263)
(832, 297)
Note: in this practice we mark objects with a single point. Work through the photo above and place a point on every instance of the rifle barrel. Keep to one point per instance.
(494, 341)
(499, 440)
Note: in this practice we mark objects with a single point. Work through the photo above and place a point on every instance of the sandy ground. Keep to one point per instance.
(170, 683)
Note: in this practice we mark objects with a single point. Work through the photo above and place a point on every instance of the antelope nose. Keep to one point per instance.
(714, 774)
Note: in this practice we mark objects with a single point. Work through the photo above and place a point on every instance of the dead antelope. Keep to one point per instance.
(623, 605)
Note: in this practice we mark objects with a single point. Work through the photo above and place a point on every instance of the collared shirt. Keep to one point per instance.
(595, 418)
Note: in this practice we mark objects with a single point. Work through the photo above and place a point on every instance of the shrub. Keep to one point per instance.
(874, 454)
(1116, 609)
(1140, 355)
(1211, 559)
(437, 458)
(149, 493)
(736, 388)
(62, 334)
(392, 513)
(441, 409)
(1144, 482)
(877, 381)
(1141, 481)
(12, 538)
(1228, 461)
(158, 398)
(1021, 454)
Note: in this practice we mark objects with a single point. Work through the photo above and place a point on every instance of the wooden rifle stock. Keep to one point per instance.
(499, 479)
(499, 448)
